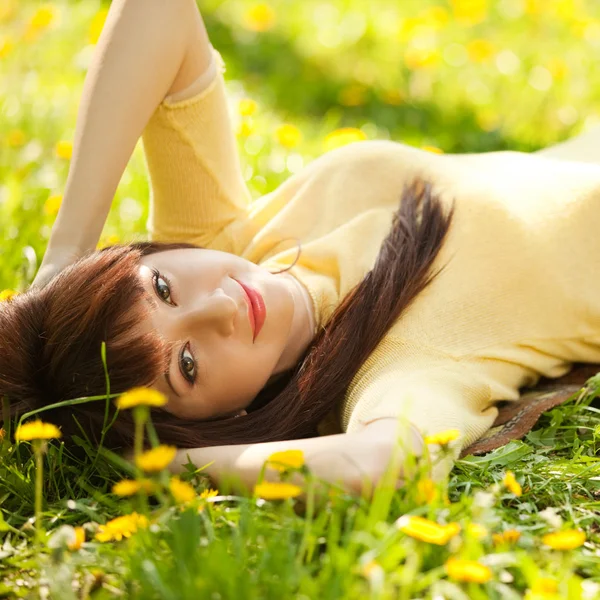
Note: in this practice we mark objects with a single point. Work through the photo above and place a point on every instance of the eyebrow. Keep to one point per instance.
(151, 301)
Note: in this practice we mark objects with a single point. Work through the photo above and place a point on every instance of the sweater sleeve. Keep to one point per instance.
(433, 391)
(197, 187)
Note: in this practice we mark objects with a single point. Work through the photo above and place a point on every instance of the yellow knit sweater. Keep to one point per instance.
(519, 297)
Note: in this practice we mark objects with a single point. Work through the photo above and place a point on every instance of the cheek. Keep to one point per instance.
(240, 377)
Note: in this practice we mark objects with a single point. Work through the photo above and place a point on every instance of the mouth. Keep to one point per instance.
(257, 311)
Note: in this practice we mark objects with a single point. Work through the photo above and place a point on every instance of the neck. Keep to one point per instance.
(302, 331)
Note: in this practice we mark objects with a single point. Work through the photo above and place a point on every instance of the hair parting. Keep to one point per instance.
(50, 339)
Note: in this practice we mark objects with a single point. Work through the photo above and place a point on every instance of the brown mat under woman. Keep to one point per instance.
(517, 419)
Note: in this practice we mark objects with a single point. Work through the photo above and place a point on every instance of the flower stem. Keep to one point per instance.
(140, 416)
(39, 482)
(139, 436)
(152, 435)
(308, 520)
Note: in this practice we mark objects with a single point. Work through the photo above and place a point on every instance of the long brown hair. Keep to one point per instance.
(50, 340)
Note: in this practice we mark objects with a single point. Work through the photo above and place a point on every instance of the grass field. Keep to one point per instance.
(453, 76)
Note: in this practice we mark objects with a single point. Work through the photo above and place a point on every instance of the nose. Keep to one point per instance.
(216, 310)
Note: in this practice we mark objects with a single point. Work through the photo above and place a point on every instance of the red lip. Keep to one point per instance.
(257, 311)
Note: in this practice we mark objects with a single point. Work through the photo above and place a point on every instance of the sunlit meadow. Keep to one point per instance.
(304, 77)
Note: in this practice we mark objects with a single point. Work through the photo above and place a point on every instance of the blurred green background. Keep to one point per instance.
(447, 75)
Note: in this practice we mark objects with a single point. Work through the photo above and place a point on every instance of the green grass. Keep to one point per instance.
(395, 70)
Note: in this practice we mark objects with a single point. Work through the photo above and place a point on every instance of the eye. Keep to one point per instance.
(162, 287)
(187, 365)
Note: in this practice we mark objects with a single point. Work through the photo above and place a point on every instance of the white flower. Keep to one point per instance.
(590, 589)
(551, 516)
(61, 537)
(484, 499)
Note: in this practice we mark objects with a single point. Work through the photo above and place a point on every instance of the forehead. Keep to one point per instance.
(161, 256)
(186, 256)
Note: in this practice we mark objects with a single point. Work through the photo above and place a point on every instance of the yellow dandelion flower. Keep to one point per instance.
(544, 587)
(436, 150)
(510, 536)
(443, 438)
(43, 17)
(206, 494)
(487, 119)
(127, 487)
(141, 396)
(534, 7)
(353, 95)
(246, 128)
(435, 16)
(7, 45)
(7, 295)
(566, 9)
(276, 490)
(477, 530)
(2, 434)
(182, 491)
(111, 240)
(259, 17)
(121, 527)
(342, 137)
(467, 570)
(480, 50)
(512, 484)
(564, 540)
(426, 530)
(558, 68)
(37, 430)
(392, 97)
(408, 27)
(470, 12)
(97, 25)
(421, 58)
(288, 135)
(76, 543)
(157, 459)
(452, 529)
(427, 491)
(579, 27)
(287, 459)
(247, 107)
(16, 137)
(52, 205)
(64, 149)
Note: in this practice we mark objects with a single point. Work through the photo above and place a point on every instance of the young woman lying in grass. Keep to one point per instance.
(383, 291)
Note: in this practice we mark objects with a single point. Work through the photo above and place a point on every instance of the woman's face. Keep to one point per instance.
(221, 356)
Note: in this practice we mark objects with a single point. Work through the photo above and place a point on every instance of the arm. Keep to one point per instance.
(583, 148)
(357, 461)
(148, 49)
(435, 393)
